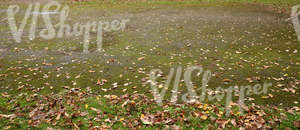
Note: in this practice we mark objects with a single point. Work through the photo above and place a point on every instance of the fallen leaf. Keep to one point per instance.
(5, 95)
(11, 116)
(203, 117)
(296, 124)
(227, 80)
(96, 110)
(141, 58)
(146, 120)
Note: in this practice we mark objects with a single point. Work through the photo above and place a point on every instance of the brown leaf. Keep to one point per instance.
(141, 58)
(233, 122)
(250, 80)
(287, 128)
(76, 126)
(49, 128)
(7, 127)
(96, 110)
(83, 114)
(98, 82)
(227, 80)
(296, 124)
(175, 127)
(270, 95)
(11, 116)
(147, 120)
(101, 82)
(266, 67)
(58, 116)
(125, 103)
(5, 95)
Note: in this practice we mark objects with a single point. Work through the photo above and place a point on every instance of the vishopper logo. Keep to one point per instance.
(191, 95)
(63, 29)
(295, 20)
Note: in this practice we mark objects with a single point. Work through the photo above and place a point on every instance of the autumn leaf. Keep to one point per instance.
(227, 80)
(11, 116)
(296, 124)
(146, 120)
(203, 117)
(141, 58)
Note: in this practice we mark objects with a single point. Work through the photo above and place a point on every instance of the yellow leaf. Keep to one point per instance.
(86, 106)
(142, 116)
(114, 97)
(203, 117)
(204, 107)
(220, 112)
